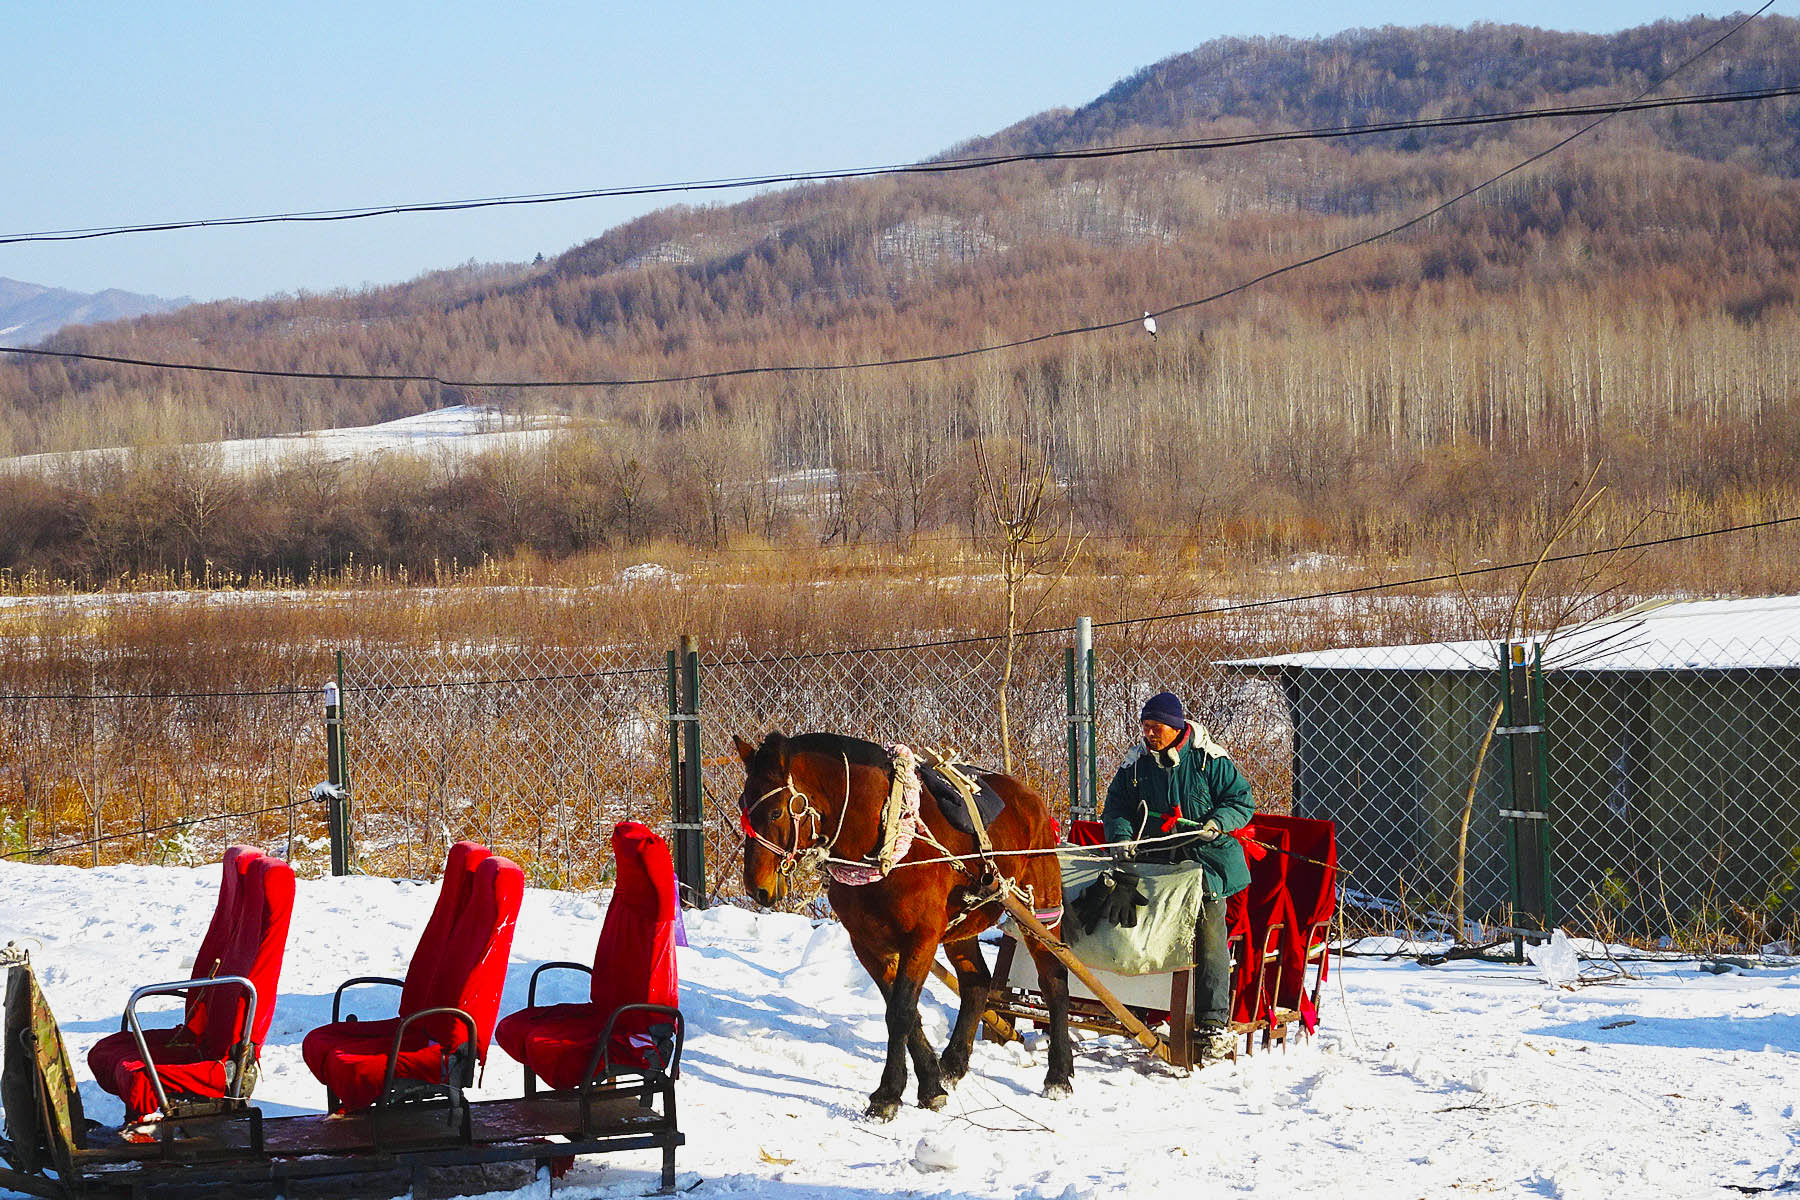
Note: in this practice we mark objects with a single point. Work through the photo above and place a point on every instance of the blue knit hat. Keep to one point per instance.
(1166, 708)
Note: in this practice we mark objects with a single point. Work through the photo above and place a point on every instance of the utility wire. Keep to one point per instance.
(813, 655)
(1242, 605)
(1606, 114)
(939, 166)
(184, 823)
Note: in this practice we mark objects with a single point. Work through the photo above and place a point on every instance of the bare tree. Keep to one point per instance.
(1592, 594)
(1032, 544)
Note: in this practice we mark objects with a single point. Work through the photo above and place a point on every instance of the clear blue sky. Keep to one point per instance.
(128, 112)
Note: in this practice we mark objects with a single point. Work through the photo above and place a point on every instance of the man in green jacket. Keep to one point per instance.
(1177, 782)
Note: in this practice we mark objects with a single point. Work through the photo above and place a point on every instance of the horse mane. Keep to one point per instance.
(831, 745)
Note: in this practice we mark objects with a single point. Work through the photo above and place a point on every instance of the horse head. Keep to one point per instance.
(798, 796)
(775, 827)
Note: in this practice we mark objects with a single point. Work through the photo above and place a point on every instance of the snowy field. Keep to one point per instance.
(457, 431)
(1464, 1080)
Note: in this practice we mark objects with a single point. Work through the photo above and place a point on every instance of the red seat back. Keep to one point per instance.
(469, 971)
(206, 959)
(434, 941)
(1312, 864)
(252, 945)
(634, 961)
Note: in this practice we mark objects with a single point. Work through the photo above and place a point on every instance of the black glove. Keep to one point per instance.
(1090, 908)
(1124, 899)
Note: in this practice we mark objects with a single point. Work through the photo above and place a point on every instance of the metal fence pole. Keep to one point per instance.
(1084, 633)
(337, 775)
(1525, 813)
(688, 825)
(1078, 688)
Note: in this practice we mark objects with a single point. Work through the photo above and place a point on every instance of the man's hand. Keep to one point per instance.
(1208, 832)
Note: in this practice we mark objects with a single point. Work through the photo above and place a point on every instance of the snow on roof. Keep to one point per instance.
(1690, 635)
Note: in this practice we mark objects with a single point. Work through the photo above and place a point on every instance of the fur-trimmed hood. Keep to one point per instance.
(1197, 736)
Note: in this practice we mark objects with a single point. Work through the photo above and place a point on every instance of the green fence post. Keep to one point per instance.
(1527, 843)
(1085, 635)
(688, 823)
(335, 791)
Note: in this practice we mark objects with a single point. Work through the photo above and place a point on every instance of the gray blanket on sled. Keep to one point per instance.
(1163, 939)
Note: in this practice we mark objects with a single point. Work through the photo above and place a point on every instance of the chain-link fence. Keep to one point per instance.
(99, 764)
(1632, 779)
(536, 751)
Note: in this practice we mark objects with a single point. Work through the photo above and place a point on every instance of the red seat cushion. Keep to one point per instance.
(460, 963)
(350, 1058)
(634, 963)
(246, 937)
(184, 1068)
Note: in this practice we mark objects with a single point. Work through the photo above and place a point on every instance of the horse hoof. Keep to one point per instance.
(882, 1110)
(1058, 1091)
(935, 1102)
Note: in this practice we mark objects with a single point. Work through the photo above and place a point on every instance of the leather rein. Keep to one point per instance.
(800, 807)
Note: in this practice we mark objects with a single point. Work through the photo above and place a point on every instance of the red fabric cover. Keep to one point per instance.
(350, 1058)
(460, 962)
(634, 963)
(1312, 889)
(185, 1070)
(1264, 904)
(1087, 833)
(434, 939)
(224, 913)
(247, 936)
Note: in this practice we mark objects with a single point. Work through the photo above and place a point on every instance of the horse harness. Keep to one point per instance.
(900, 824)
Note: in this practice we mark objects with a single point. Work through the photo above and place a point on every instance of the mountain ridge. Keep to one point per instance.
(31, 312)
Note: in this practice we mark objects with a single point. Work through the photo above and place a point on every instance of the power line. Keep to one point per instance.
(939, 166)
(918, 359)
(813, 655)
(1242, 605)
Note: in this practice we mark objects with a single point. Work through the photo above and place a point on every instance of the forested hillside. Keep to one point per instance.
(1628, 304)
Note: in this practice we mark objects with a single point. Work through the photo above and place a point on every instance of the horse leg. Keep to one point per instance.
(1054, 978)
(882, 971)
(909, 984)
(973, 984)
(884, 1101)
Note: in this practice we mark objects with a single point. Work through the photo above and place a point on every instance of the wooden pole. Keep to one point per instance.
(1040, 933)
(1001, 1028)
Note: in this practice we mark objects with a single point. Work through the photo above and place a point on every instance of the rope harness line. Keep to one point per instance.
(821, 856)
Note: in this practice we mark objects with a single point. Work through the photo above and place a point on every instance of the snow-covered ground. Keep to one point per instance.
(458, 431)
(1463, 1080)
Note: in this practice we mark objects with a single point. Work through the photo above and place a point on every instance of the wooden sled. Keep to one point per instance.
(51, 1150)
(1277, 933)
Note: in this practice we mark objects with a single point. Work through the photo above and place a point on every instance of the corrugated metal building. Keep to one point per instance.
(1673, 764)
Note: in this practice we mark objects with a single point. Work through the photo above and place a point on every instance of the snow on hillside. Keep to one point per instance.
(460, 430)
(1464, 1080)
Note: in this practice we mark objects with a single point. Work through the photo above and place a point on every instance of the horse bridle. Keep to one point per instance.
(800, 807)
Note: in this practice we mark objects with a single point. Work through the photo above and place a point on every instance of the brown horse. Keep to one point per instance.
(818, 799)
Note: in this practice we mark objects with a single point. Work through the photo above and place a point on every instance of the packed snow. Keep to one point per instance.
(1467, 1079)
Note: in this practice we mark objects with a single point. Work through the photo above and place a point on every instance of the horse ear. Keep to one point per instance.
(745, 750)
